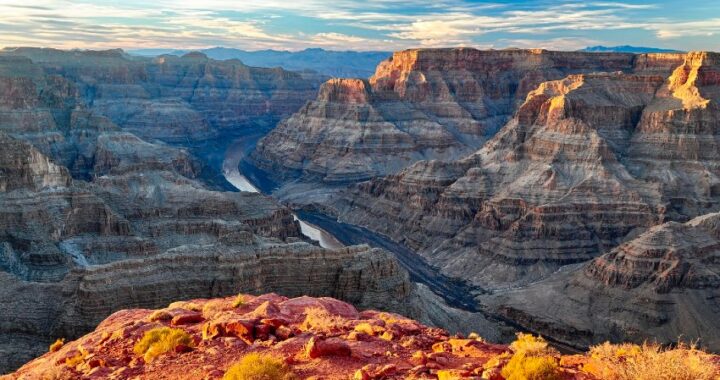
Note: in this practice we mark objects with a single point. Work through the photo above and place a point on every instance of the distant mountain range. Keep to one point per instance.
(333, 63)
(627, 49)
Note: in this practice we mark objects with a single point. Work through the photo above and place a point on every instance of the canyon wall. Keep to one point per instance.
(663, 285)
(588, 152)
(98, 214)
(420, 104)
(585, 162)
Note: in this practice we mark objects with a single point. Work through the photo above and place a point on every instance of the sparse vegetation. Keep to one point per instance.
(532, 359)
(239, 301)
(57, 345)
(650, 362)
(319, 319)
(160, 340)
(79, 357)
(255, 366)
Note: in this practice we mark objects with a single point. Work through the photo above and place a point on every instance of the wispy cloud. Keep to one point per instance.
(348, 24)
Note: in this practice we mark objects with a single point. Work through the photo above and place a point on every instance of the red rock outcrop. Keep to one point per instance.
(311, 338)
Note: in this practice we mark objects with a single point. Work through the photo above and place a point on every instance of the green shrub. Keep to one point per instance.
(522, 367)
(160, 340)
(239, 301)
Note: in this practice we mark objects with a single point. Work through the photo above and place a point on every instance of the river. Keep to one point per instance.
(234, 154)
(331, 233)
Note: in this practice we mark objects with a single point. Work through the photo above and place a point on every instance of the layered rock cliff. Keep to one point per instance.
(587, 163)
(36, 313)
(570, 176)
(420, 104)
(95, 218)
(662, 285)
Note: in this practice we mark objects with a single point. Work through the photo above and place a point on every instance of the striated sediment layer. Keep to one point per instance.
(662, 285)
(80, 193)
(98, 214)
(37, 313)
(586, 162)
(420, 104)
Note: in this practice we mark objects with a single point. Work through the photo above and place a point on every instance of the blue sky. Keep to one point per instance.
(359, 25)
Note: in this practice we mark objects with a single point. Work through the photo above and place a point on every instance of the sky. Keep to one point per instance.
(380, 25)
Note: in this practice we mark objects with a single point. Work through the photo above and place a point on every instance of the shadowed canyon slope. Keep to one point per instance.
(668, 279)
(589, 157)
(98, 214)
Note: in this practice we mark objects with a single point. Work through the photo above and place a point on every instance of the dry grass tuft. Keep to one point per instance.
(318, 319)
(78, 358)
(255, 366)
(239, 301)
(161, 340)
(532, 359)
(57, 345)
(650, 362)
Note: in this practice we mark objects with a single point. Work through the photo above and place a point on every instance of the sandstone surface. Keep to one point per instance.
(307, 338)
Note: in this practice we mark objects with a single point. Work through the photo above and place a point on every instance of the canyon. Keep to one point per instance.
(112, 197)
(570, 194)
(531, 167)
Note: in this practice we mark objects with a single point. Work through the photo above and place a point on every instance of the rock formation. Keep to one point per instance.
(668, 279)
(585, 162)
(420, 104)
(98, 214)
(307, 338)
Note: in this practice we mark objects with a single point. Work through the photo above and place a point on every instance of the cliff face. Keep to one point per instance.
(36, 313)
(587, 163)
(95, 218)
(420, 104)
(584, 162)
(668, 281)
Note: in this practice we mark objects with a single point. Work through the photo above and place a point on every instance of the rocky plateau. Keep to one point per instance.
(308, 338)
